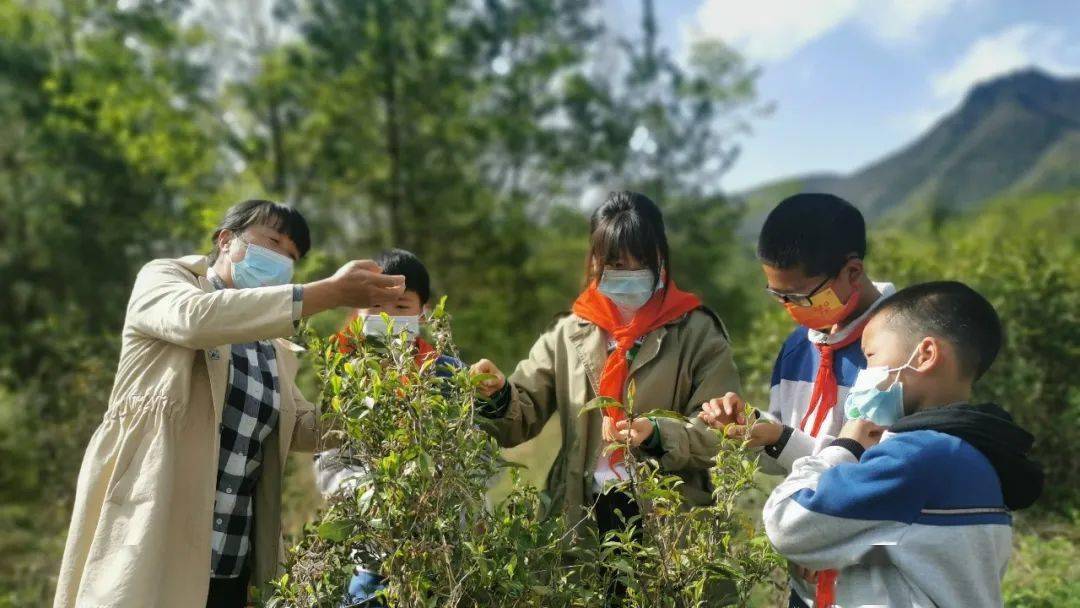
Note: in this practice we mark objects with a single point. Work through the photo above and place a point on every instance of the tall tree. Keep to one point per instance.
(427, 125)
(108, 156)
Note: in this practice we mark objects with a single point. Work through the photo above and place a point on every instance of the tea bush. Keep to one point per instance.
(418, 515)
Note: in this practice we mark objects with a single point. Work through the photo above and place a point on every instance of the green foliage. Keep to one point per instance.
(1044, 571)
(467, 131)
(1020, 254)
(107, 150)
(418, 511)
(418, 514)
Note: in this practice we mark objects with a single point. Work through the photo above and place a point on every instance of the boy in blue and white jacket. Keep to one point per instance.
(811, 248)
(911, 505)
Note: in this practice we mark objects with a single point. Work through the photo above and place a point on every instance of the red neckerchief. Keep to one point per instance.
(424, 351)
(823, 397)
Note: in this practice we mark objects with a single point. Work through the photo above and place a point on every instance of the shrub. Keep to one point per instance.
(419, 514)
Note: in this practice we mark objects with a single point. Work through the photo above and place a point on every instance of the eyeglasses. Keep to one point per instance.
(797, 299)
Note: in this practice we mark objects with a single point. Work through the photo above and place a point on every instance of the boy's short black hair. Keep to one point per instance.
(815, 232)
(952, 311)
(400, 261)
(256, 212)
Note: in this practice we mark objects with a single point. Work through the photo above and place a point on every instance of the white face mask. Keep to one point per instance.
(375, 326)
(628, 289)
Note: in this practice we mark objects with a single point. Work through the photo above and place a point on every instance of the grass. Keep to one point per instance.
(1044, 571)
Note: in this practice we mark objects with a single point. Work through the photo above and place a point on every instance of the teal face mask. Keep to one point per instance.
(868, 402)
(261, 267)
(628, 289)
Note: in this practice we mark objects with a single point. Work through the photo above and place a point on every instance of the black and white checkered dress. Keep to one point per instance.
(252, 405)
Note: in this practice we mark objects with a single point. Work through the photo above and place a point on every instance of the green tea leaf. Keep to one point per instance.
(335, 531)
(599, 403)
(664, 414)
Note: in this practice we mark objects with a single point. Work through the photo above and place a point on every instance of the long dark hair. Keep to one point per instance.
(631, 223)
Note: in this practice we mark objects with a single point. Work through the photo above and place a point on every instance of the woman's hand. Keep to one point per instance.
(491, 386)
(617, 432)
(729, 413)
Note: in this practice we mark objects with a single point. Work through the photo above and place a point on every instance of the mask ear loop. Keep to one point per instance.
(239, 237)
(902, 368)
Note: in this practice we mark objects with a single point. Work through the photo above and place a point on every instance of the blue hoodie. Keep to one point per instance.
(924, 518)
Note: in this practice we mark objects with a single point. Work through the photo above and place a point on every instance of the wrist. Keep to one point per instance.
(652, 445)
(319, 296)
(771, 432)
(764, 433)
(851, 445)
(776, 447)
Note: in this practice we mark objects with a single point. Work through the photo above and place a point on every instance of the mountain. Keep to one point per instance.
(1016, 134)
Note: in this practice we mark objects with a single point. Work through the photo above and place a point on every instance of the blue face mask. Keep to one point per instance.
(628, 289)
(867, 401)
(261, 267)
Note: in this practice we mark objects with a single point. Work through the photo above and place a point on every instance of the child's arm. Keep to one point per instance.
(333, 472)
(793, 444)
(778, 445)
(680, 445)
(834, 507)
(519, 408)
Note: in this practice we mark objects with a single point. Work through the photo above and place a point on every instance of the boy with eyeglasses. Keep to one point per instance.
(812, 249)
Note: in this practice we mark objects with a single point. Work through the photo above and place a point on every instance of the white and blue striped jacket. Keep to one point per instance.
(793, 382)
(917, 520)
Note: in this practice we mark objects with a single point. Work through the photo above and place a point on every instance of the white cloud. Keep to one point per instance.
(904, 21)
(1018, 46)
(768, 31)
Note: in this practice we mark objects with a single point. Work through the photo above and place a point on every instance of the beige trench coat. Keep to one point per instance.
(678, 367)
(140, 530)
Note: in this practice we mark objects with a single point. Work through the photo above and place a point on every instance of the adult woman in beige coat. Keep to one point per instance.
(140, 533)
(631, 324)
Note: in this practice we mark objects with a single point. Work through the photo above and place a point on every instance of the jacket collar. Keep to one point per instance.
(198, 266)
(591, 350)
(582, 323)
(590, 343)
(820, 337)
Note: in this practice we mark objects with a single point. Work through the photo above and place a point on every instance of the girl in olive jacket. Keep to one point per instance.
(630, 324)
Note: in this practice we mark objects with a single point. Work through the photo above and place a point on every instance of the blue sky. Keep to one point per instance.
(855, 79)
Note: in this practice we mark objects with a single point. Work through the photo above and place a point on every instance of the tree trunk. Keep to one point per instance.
(395, 200)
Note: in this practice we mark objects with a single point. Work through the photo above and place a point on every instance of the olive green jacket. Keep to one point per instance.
(678, 367)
